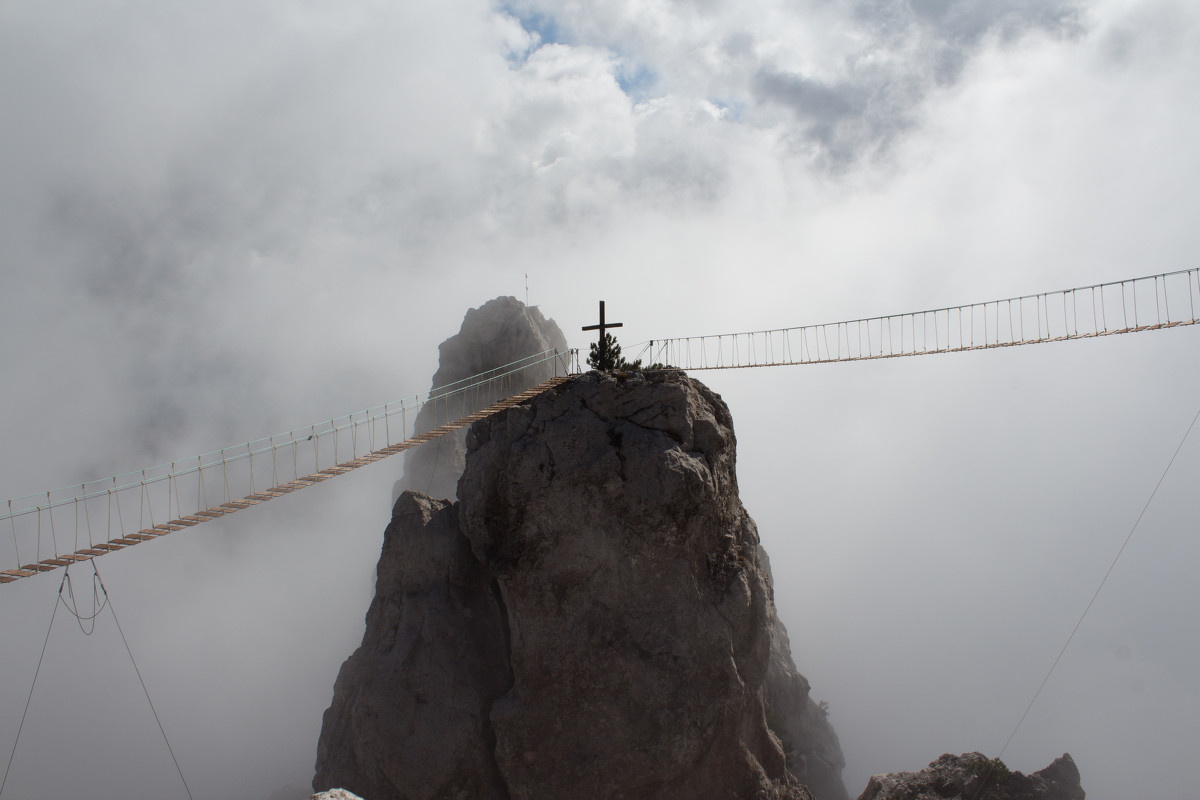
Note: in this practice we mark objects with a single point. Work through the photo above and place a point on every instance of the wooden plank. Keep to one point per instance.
(236, 505)
(194, 519)
(6, 579)
(18, 573)
(110, 546)
(125, 540)
(141, 537)
(184, 522)
(212, 512)
(57, 561)
(152, 532)
(260, 496)
(166, 526)
(92, 551)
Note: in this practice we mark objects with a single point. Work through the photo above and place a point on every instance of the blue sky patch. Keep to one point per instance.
(544, 25)
(635, 80)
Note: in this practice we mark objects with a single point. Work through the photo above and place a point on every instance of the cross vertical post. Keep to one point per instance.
(602, 346)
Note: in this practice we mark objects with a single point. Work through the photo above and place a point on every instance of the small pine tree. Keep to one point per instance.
(612, 358)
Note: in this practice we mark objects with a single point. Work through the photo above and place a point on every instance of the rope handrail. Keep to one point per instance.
(487, 374)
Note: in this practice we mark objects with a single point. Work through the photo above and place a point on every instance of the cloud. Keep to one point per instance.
(221, 221)
(852, 75)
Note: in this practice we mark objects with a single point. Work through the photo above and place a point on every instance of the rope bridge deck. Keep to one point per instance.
(458, 404)
(1154, 302)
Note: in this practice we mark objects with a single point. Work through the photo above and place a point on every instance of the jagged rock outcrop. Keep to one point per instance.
(594, 618)
(497, 333)
(410, 709)
(334, 794)
(973, 776)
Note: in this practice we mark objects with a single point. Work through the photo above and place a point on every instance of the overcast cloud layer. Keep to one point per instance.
(220, 220)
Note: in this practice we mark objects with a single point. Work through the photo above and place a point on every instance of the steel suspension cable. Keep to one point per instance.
(50, 627)
(1103, 580)
(153, 710)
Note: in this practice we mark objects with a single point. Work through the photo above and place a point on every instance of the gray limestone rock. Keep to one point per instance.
(497, 333)
(973, 776)
(594, 619)
(410, 707)
(609, 513)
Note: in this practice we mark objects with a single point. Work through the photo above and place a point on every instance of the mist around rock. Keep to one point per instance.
(593, 618)
(497, 333)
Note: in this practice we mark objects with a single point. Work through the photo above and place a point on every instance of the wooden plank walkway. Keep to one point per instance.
(238, 504)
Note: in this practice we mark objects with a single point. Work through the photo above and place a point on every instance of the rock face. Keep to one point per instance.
(497, 333)
(973, 775)
(410, 707)
(594, 619)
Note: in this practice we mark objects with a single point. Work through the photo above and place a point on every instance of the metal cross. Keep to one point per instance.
(602, 327)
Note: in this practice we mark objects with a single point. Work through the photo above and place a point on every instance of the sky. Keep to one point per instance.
(221, 220)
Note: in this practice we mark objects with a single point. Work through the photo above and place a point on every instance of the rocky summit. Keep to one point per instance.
(973, 776)
(593, 618)
(496, 334)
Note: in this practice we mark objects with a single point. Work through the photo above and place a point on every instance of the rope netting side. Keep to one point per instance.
(1153, 302)
(183, 493)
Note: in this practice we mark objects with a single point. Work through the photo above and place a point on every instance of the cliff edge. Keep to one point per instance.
(593, 619)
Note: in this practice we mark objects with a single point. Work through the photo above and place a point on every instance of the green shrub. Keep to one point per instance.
(992, 770)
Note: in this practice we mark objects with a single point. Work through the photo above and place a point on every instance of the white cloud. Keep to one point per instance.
(222, 220)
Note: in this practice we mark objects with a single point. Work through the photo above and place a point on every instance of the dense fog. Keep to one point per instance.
(223, 220)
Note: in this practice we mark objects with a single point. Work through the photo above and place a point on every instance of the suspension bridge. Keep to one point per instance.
(60, 527)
